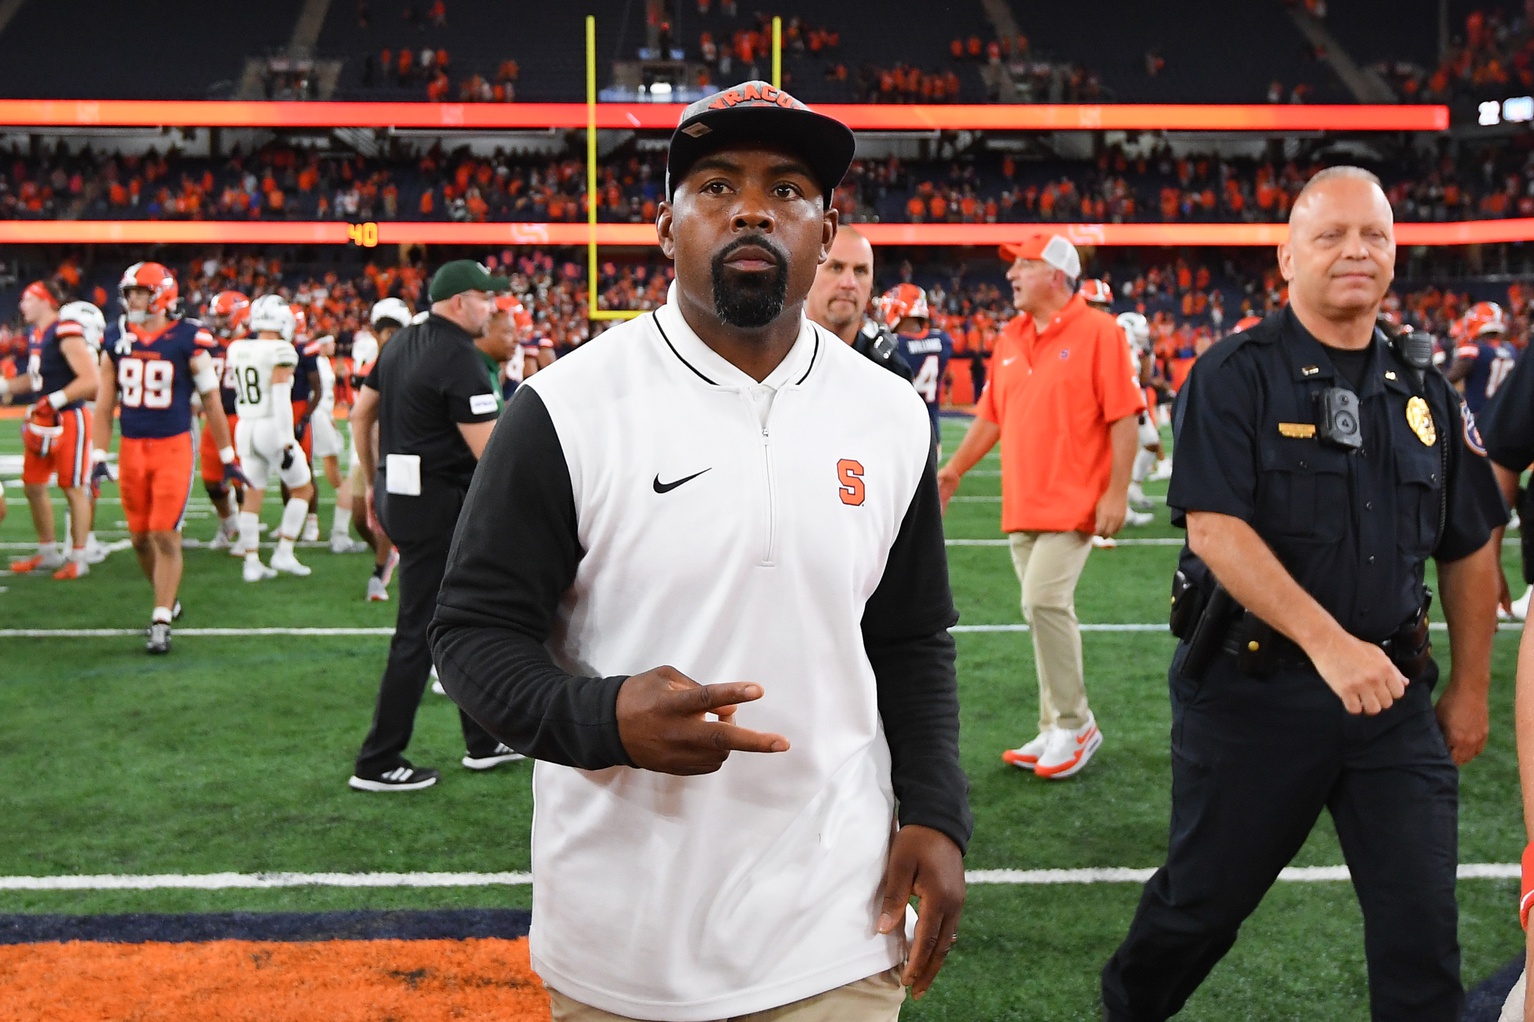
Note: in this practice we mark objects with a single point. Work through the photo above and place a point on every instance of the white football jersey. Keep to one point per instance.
(252, 363)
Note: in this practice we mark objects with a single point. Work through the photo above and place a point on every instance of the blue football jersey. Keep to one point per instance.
(1493, 361)
(154, 375)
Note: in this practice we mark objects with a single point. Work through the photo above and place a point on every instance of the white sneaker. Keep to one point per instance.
(377, 591)
(1135, 519)
(222, 541)
(1026, 756)
(1162, 471)
(1068, 750)
(255, 571)
(436, 683)
(289, 564)
(1513, 523)
(95, 550)
(340, 544)
(502, 754)
(1104, 542)
(1521, 605)
(311, 533)
(238, 549)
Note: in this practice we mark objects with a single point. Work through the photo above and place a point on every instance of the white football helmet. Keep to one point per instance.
(91, 321)
(391, 309)
(1136, 327)
(271, 312)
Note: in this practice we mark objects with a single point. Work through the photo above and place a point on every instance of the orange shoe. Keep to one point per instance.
(72, 569)
(37, 562)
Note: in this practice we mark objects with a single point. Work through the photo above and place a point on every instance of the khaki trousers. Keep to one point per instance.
(874, 999)
(1048, 565)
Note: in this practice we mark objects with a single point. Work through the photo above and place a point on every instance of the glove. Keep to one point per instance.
(287, 456)
(101, 471)
(233, 474)
(299, 427)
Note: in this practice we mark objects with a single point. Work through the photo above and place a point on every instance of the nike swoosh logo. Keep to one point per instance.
(1009, 361)
(661, 487)
(1084, 739)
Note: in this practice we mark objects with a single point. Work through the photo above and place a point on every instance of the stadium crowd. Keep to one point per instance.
(1493, 58)
(1118, 185)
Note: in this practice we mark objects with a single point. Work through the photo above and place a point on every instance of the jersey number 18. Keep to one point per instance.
(248, 385)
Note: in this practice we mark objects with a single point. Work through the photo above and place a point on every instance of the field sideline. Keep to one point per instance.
(229, 758)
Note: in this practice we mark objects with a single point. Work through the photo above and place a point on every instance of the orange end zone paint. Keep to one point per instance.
(272, 981)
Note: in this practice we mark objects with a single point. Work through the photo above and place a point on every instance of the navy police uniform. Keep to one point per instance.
(1258, 753)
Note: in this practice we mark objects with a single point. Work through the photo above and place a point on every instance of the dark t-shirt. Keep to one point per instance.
(430, 378)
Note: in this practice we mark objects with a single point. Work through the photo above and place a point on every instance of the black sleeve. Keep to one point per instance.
(1475, 504)
(467, 390)
(1214, 433)
(1507, 420)
(498, 600)
(905, 631)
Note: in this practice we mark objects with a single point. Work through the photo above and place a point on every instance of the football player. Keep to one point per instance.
(263, 368)
(306, 390)
(387, 316)
(924, 349)
(228, 317)
(1142, 361)
(1483, 357)
(327, 450)
(61, 377)
(1097, 294)
(151, 364)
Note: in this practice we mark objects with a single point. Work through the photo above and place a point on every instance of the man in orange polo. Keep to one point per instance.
(1066, 414)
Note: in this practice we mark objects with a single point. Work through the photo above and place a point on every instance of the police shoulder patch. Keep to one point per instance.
(1472, 434)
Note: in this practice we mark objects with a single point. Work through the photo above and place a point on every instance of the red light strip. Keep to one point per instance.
(1278, 117)
(223, 232)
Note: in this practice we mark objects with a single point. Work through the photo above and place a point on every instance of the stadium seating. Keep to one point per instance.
(175, 49)
(1199, 45)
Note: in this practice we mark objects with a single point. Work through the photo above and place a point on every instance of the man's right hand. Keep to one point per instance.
(662, 722)
(947, 485)
(1360, 673)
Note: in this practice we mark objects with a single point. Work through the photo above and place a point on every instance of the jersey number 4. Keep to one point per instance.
(146, 384)
(927, 380)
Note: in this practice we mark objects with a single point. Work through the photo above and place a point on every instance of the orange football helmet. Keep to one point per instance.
(519, 315)
(1097, 292)
(1484, 318)
(229, 315)
(903, 301)
(157, 280)
(300, 323)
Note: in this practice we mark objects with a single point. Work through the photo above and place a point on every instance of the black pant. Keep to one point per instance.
(422, 529)
(1253, 764)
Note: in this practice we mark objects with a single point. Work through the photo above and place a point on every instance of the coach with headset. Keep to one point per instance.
(435, 402)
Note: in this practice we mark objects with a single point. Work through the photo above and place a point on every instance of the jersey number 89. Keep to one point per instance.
(144, 384)
(248, 385)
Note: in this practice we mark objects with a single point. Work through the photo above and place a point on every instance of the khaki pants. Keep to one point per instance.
(1048, 565)
(874, 999)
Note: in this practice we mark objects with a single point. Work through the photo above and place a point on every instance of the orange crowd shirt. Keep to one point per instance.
(1054, 392)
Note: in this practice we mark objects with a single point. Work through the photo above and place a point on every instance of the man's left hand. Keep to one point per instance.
(234, 474)
(1465, 722)
(1111, 510)
(927, 864)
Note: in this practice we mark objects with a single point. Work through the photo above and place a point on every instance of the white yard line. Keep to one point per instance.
(235, 881)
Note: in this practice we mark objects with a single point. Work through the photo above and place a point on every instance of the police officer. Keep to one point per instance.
(435, 397)
(1319, 465)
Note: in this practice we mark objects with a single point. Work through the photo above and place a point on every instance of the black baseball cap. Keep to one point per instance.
(462, 275)
(757, 112)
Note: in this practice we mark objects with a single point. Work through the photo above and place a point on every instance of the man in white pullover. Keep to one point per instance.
(725, 488)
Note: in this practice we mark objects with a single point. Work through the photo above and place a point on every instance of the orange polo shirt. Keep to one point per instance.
(1054, 393)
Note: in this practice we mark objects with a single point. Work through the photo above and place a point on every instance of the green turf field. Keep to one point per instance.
(232, 755)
